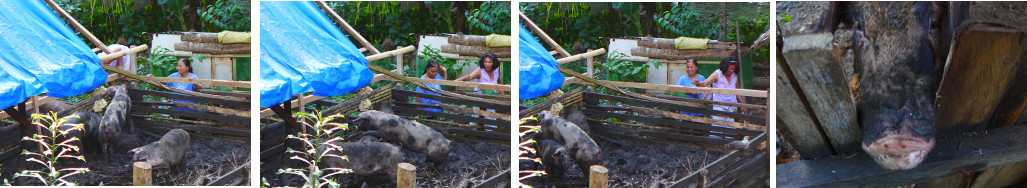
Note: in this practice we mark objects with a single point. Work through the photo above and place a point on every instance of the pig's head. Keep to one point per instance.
(561, 160)
(109, 131)
(366, 120)
(900, 50)
(438, 150)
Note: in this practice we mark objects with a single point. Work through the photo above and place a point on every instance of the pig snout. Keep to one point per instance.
(171, 149)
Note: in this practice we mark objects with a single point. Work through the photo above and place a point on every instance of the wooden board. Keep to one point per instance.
(970, 151)
(401, 95)
(980, 69)
(136, 93)
(674, 107)
(818, 74)
(798, 126)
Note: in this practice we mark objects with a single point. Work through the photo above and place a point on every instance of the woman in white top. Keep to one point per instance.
(487, 72)
(726, 78)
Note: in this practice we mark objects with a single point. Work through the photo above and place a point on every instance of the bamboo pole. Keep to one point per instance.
(741, 80)
(677, 88)
(349, 29)
(123, 53)
(78, 26)
(405, 178)
(165, 87)
(207, 82)
(396, 52)
(581, 56)
(478, 85)
(590, 69)
(141, 174)
(597, 177)
(543, 35)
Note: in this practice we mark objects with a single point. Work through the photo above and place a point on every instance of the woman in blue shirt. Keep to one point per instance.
(691, 73)
(432, 71)
(185, 70)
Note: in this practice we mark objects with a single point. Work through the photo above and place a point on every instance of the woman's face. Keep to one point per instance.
(182, 69)
(691, 69)
(432, 71)
(731, 69)
(488, 64)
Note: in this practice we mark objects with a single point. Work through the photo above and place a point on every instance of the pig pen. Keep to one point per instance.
(643, 149)
(984, 153)
(218, 154)
(479, 154)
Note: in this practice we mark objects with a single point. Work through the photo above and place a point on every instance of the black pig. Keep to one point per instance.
(581, 147)
(409, 134)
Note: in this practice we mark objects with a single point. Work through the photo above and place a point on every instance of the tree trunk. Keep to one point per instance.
(722, 34)
(459, 20)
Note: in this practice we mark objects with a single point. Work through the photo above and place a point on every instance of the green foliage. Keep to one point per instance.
(53, 149)
(312, 153)
(160, 64)
(228, 15)
(491, 17)
(453, 67)
(624, 71)
(785, 18)
(684, 20)
(109, 20)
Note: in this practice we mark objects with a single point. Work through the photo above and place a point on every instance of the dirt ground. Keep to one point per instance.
(470, 163)
(208, 160)
(805, 15)
(637, 164)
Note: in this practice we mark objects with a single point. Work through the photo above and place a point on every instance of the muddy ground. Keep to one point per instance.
(470, 163)
(636, 164)
(805, 15)
(209, 159)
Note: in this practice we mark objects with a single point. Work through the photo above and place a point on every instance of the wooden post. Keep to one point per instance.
(588, 65)
(814, 63)
(399, 64)
(741, 77)
(405, 178)
(597, 177)
(74, 23)
(349, 29)
(544, 36)
(141, 174)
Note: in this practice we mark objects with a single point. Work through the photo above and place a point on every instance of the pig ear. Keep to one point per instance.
(574, 150)
(834, 13)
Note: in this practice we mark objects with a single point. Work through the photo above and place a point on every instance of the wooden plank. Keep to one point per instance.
(818, 72)
(456, 110)
(210, 109)
(240, 94)
(695, 179)
(675, 107)
(796, 124)
(581, 56)
(670, 123)
(1003, 176)
(735, 175)
(204, 82)
(196, 128)
(982, 53)
(970, 151)
(142, 110)
(401, 95)
(9, 135)
(455, 83)
(268, 112)
(679, 88)
(489, 135)
(272, 134)
(459, 118)
(675, 115)
(672, 54)
(700, 101)
(226, 103)
(232, 178)
(534, 110)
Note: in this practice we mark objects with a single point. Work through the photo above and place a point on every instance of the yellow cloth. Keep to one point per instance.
(494, 40)
(688, 43)
(233, 37)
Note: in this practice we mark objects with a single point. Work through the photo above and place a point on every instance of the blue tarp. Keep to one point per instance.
(539, 72)
(42, 55)
(301, 51)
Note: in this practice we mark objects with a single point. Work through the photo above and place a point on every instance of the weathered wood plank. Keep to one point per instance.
(245, 112)
(460, 118)
(499, 180)
(970, 151)
(401, 95)
(1003, 176)
(670, 123)
(233, 177)
(695, 179)
(213, 101)
(198, 115)
(205, 129)
(675, 107)
(983, 53)
(818, 73)
(204, 82)
(797, 125)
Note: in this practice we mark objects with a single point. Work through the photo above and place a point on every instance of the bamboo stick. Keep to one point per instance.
(123, 53)
(543, 35)
(396, 52)
(676, 88)
(140, 78)
(141, 174)
(349, 29)
(78, 26)
(439, 91)
(581, 56)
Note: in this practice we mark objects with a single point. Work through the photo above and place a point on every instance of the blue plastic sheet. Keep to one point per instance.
(302, 50)
(41, 54)
(539, 72)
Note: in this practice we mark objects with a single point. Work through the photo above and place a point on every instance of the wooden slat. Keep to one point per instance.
(272, 134)
(400, 95)
(460, 118)
(534, 110)
(268, 112)
(226, 103)
(499, 180)
(676, 88)
(197, 128)
(238, 175)
(488, 135)
(981, 54)
(211, 109)
(818, 72)
(695, 179)
(670, 123)
(204, 82)
(972, 152)
(453, 83)
(675, 107)
(456, 110)
(674, 115)
(700, 101)
(198, 115)
(796, 124)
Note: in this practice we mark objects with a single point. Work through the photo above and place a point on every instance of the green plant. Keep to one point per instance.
(312, 153)
(491, 17)
(684, 20)
(626, 71)
(228, 15)
(52, 149)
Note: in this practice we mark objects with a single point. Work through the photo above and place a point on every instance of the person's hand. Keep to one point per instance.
(443, 68)
(190, 78)
(695, 82)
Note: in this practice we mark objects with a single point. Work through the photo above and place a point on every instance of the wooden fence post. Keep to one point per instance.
(597, 177)
(141, 174)
(405, 178)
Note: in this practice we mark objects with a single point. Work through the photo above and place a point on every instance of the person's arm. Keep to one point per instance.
(196, 87)
(473, 75)
(442, 70)
(713, 78)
